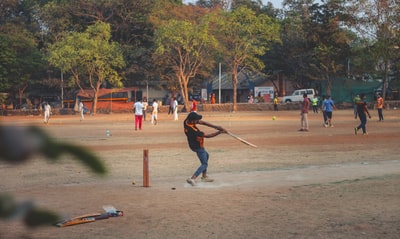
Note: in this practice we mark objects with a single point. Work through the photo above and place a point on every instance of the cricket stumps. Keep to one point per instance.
(146, 174)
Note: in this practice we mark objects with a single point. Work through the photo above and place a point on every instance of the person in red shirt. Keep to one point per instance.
(304, 113)
(193, 105)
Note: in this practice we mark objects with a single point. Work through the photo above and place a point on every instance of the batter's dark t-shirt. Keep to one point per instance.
(194, 136)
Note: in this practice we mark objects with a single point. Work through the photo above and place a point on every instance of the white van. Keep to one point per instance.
(297, 95)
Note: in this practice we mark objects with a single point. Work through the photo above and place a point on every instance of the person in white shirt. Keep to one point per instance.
(154, 112)
(138, 109)
(81, 110)
(145, 104)
(47, 110)
(175, 109)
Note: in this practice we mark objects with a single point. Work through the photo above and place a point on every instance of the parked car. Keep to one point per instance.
(297, 95)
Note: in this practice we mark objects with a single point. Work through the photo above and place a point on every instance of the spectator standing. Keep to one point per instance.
(276, 102)
(175, 107)
(145, 104)
(304, 113)
(81, 110)
(250, 99)
(323, 109)
(47, 112)
(380, 106)
(314, 103)
(362, 111)
(212, 98)
(355, 101)
(138, 109)
(329, 107)
(171, 105)
(154, 112)
(193, 105)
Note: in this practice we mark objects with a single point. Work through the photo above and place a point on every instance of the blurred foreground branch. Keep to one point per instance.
(19, 144)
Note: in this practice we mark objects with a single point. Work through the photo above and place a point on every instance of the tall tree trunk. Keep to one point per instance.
(385, 80)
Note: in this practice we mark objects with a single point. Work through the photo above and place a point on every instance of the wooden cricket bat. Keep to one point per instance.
(86, 218)
(231, 134)
(241, 140)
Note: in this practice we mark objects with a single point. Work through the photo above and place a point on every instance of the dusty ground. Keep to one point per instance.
(327, 183)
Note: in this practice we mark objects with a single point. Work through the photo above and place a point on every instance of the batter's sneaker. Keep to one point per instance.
(191, 181)
(355, 130)
(207, 180)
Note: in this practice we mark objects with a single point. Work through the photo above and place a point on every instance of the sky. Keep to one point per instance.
(276, 3)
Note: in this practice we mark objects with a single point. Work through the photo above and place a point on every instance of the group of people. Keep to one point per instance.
(327, 107)
(140, 108)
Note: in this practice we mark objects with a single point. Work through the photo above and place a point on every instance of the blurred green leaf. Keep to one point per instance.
(39, 217)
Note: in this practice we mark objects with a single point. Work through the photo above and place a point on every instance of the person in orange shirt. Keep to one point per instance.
(212, 98)
(380, 106)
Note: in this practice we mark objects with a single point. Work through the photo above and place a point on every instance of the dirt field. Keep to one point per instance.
(326, 183)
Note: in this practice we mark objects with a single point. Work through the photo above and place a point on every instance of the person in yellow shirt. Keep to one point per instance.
(314, 103)
(276, 102)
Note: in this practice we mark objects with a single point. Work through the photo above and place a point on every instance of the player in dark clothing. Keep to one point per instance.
(195, 139)
(362, 111)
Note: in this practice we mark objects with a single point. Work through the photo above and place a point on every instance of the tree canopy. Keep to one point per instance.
(306, 41)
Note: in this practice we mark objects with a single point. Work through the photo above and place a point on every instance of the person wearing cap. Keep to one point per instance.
(195, 139)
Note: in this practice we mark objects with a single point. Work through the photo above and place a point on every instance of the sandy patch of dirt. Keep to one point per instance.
(326, 183)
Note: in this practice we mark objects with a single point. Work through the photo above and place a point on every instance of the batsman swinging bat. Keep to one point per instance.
(242, 140)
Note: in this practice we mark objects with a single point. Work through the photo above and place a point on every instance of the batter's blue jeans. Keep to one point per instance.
(203, 157)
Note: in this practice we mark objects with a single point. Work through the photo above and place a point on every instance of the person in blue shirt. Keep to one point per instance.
(329, 106)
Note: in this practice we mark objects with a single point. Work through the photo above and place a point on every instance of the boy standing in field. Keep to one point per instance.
(138, 109)
(304, 113)
(329, 106)
(195, 139)
(47, 112)
(154, 112)
(379, 106)
(362, 111)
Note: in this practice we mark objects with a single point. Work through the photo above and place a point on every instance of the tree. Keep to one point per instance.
(20, 60)
(377, 21)
(244, 37)
(91, 54)
(332, 41)
(184, 45)
(129, 23)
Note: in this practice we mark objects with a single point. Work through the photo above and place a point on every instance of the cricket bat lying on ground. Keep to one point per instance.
(86, 218)
(80, 219)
